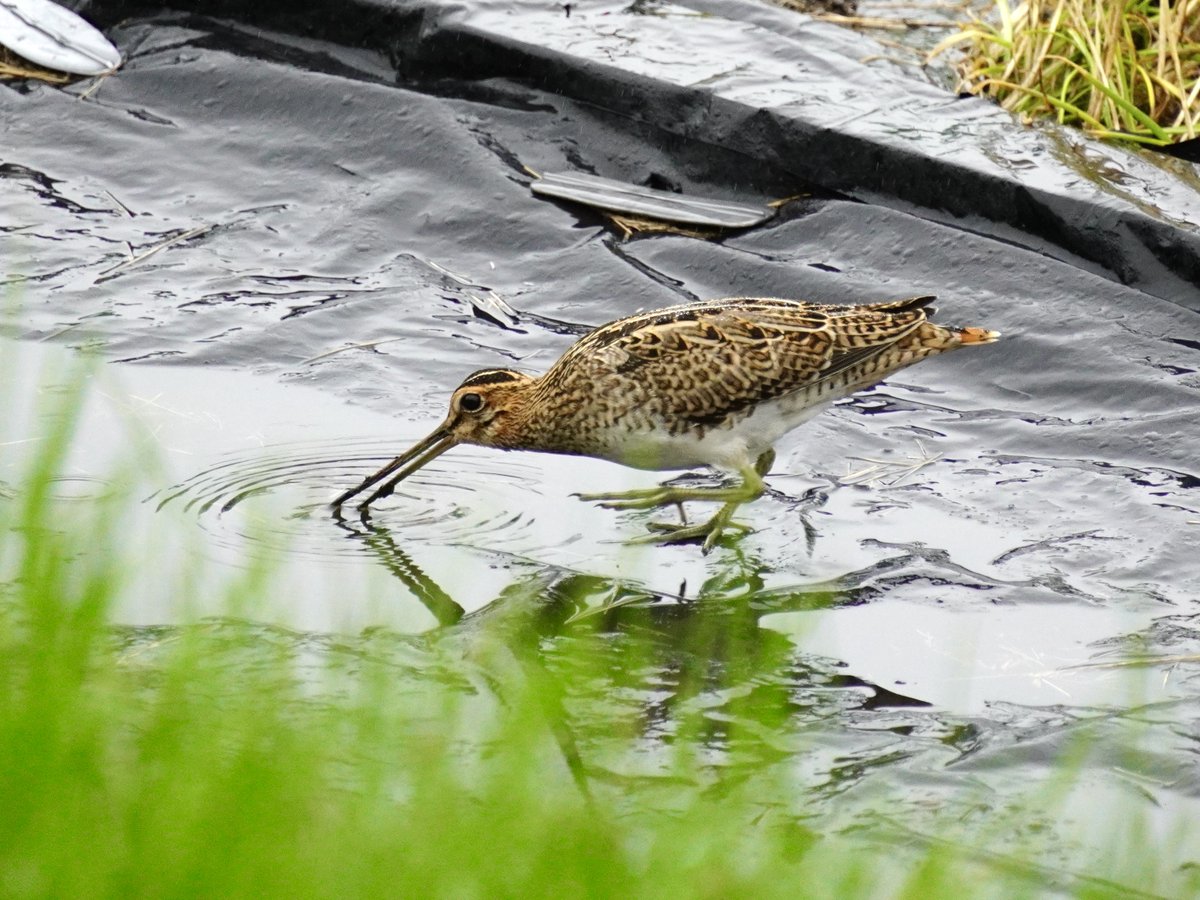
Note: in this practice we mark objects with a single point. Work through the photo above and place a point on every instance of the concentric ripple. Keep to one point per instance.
(277, 498)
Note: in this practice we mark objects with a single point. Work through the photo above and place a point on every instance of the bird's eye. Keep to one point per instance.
(471, 402)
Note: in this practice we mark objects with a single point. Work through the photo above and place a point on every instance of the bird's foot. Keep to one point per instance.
(708, 532)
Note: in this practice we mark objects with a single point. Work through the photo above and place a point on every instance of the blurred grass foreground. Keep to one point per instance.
(227, 758)
(1120, 69)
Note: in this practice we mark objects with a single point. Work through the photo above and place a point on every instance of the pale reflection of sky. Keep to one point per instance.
(1035, 654)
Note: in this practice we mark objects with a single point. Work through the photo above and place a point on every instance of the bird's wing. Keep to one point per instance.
(701, 363)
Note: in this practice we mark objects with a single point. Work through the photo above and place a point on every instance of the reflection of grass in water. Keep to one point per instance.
(505, 755)
(1123, 69)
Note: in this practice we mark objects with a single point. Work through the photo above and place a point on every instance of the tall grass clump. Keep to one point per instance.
(1122, 69)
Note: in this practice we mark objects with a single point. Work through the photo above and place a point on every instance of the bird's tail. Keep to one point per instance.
(908, 304)
(971, 335)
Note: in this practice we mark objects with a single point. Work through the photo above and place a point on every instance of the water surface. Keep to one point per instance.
(942, 584)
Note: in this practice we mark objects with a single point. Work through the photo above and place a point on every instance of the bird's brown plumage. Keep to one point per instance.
(707, 365)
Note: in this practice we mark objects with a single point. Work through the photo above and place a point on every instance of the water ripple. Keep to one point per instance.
(445, 503)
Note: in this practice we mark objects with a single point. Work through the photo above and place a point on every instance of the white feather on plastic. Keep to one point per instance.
(52, 36)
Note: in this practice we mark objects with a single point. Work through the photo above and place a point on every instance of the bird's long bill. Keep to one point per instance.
(424, 452)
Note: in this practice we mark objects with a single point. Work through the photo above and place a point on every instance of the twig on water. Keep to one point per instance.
(113, 271)
(1138, 662)
(881, 23)
(881, 470)
(365, 345)
(111, 196)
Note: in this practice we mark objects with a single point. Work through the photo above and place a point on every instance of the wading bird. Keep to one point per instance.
(714, 383)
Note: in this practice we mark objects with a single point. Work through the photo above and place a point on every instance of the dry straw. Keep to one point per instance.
(1123, 70)
(13, 66)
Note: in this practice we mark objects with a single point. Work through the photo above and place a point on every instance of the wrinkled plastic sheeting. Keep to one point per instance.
(794, 93)
(797, 98)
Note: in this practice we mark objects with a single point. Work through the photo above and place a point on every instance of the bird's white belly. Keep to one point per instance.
(732, 448)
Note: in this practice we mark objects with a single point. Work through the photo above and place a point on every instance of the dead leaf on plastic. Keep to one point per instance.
(52, 36)
(635, 208)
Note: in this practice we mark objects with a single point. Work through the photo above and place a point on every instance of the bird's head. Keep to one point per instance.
(487, 409)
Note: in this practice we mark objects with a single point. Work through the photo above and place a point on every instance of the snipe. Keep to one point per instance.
(714, 383)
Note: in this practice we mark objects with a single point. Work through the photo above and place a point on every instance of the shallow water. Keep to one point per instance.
(1027, 515)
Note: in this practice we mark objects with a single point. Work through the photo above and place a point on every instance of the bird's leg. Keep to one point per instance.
(752, 486)
(764, 462)
(652, 498)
